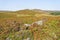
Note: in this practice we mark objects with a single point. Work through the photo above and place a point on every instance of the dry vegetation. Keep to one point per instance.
(12, 25)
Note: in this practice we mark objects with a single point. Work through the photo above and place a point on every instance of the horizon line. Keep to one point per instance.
(28, 9)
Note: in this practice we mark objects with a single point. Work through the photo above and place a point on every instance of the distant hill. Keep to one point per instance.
(33, 12)
(53, 12)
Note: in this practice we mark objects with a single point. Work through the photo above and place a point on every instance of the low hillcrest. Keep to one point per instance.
(32, 11)
(27, 12)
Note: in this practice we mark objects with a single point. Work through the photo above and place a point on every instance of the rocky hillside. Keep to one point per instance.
(29, 25)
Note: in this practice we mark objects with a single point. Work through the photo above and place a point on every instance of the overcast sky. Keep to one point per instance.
(29, 4)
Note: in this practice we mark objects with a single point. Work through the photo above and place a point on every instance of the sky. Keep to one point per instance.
(29, 4)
